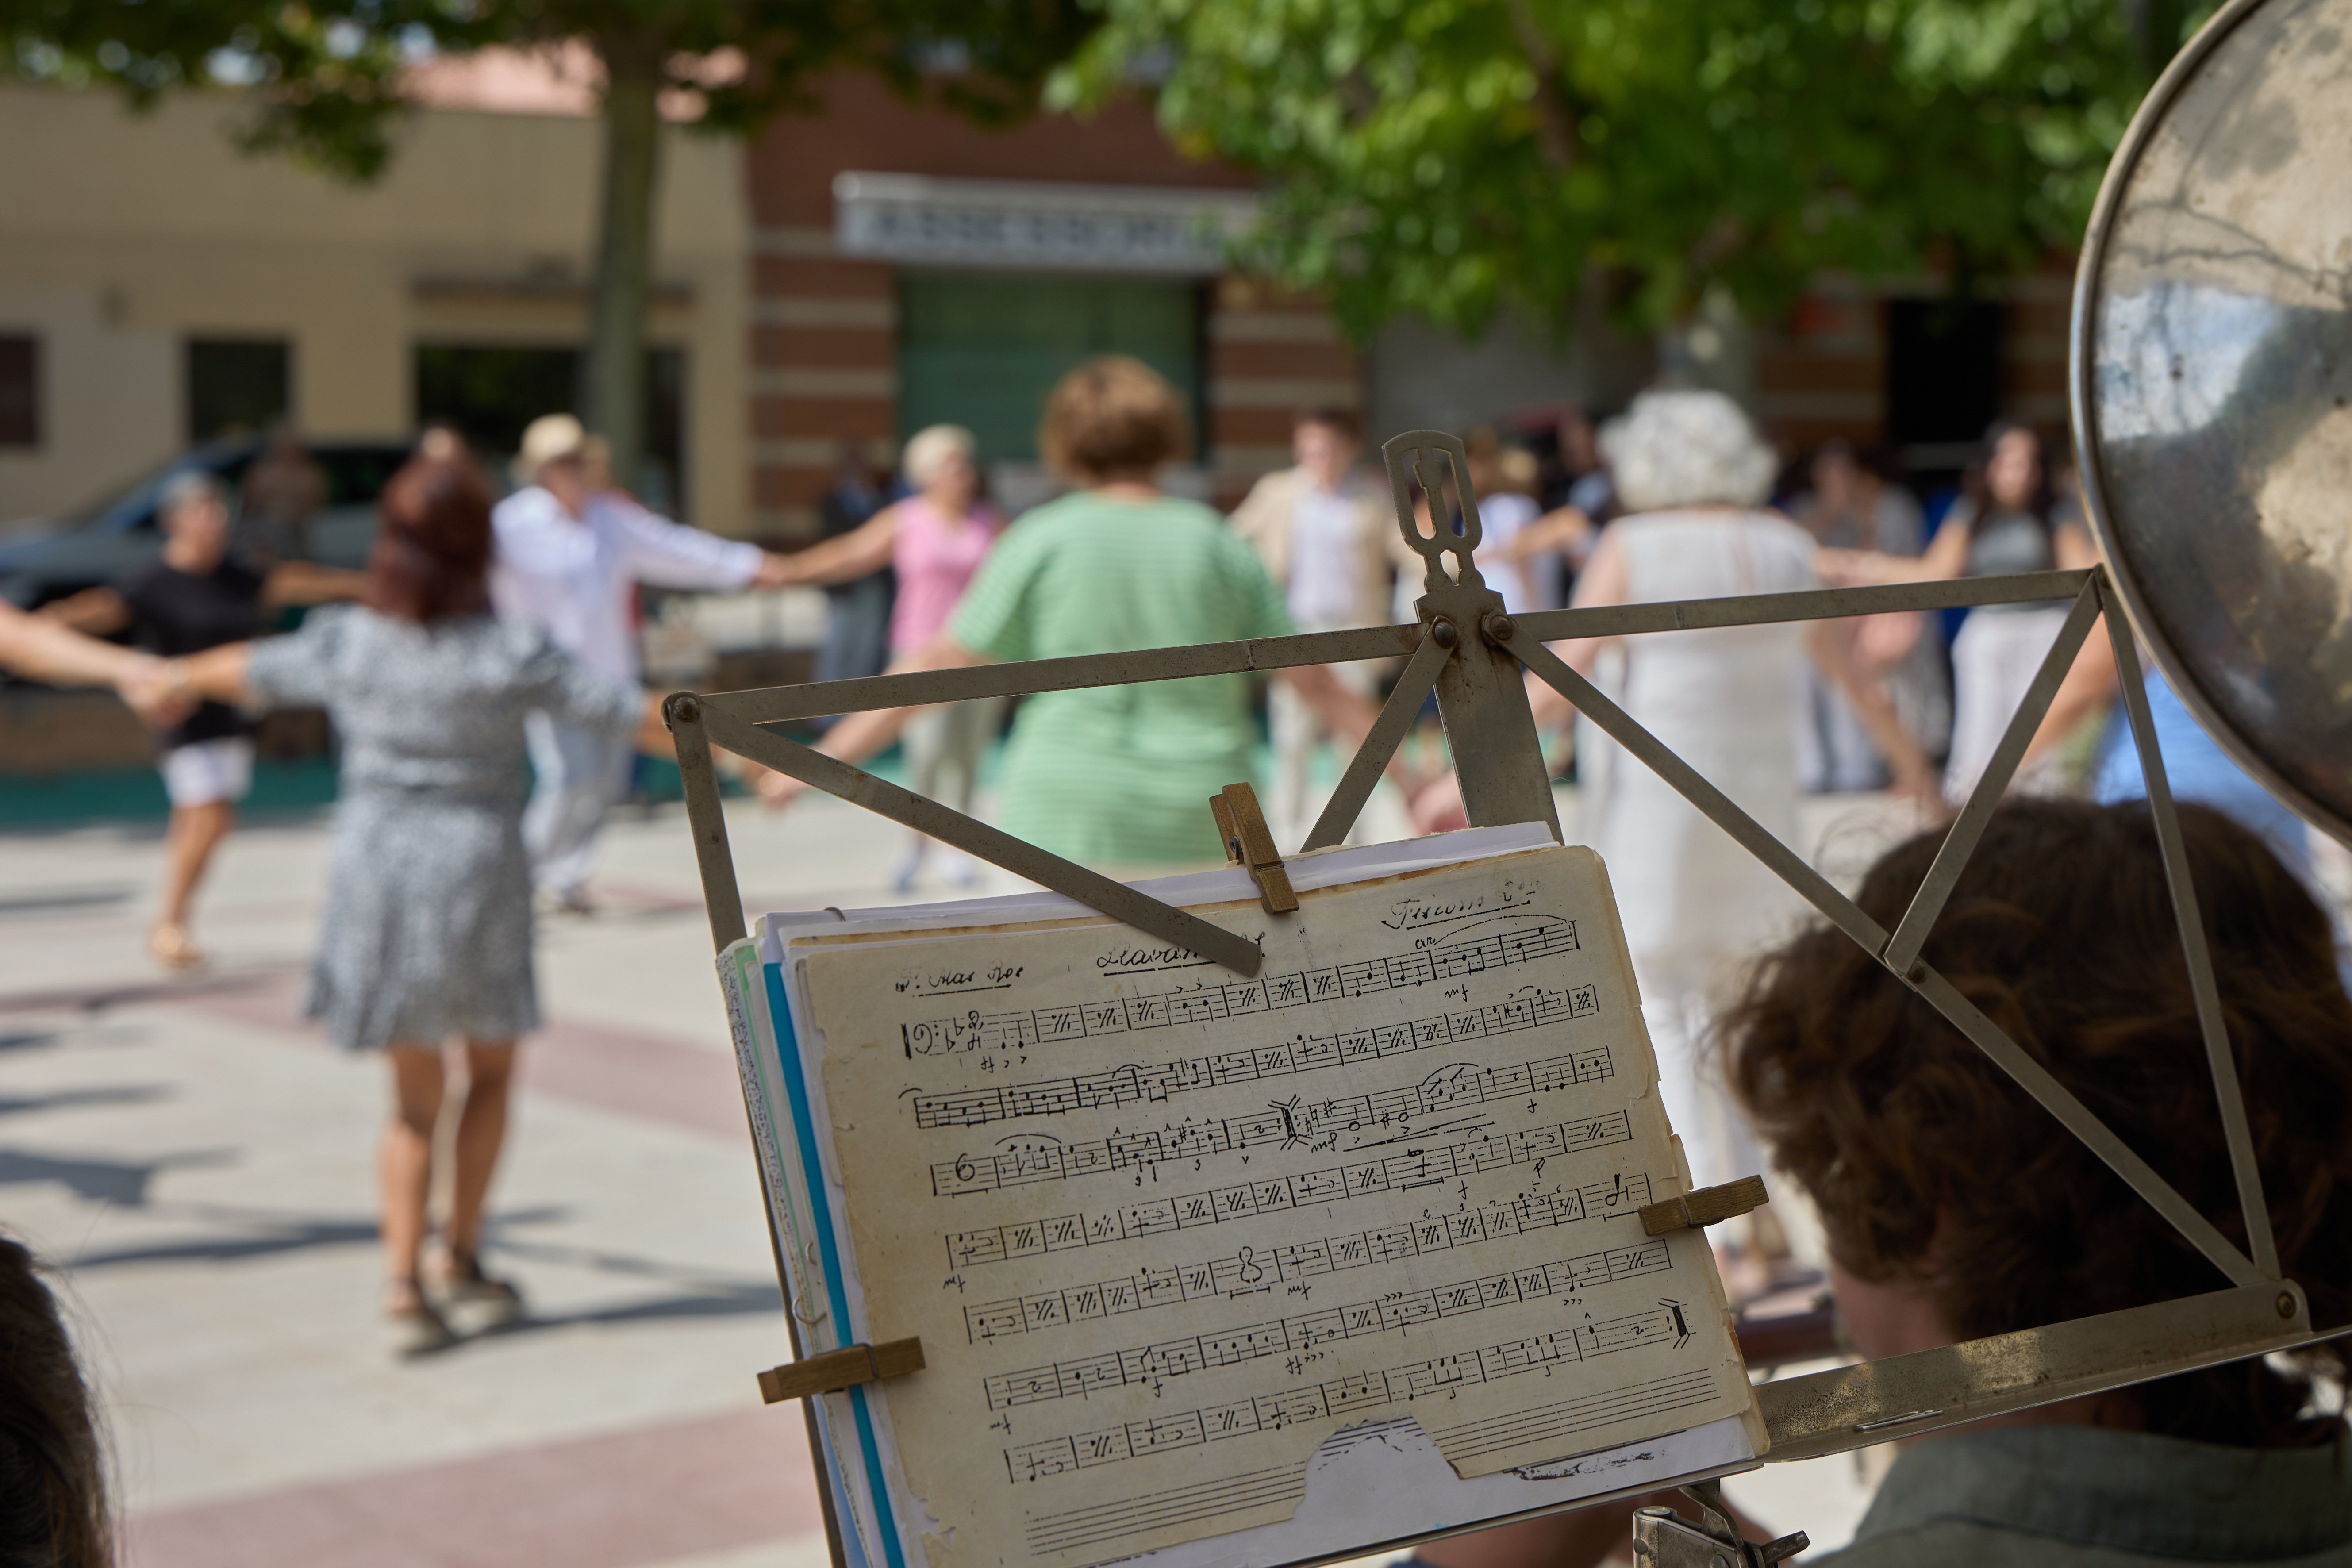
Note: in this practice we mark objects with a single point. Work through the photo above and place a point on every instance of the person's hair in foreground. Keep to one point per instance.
(432, 544)
(1931, 1168)
(53, 1509)
(1113, 417)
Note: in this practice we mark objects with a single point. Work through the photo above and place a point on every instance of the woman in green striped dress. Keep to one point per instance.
(1114, 777)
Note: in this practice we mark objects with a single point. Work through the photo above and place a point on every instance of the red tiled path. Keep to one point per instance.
(623, 1070)
(644, 1496)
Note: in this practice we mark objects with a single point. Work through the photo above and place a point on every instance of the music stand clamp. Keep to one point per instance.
(836, 1370)
(1250, 845)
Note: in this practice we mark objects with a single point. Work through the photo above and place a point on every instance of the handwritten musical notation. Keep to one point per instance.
(1530, 940)
(1297, 1124)
(1153, 1365)
(1337, 1192)
(1518, 1216)
(1666, 1323)
(1129, 1084)
(1423, 1166)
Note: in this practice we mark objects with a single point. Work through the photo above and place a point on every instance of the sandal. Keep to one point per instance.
(463, 1280)
(172, 946)
(417, 1329)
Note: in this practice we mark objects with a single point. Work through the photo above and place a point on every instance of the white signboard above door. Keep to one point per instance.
(921, 219)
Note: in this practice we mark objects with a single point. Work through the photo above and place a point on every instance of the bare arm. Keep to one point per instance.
(307, 583)
(2089, 686)
(217, 673)
(860, 553)
(1832, 648)
(98, 611)
(1947, 556)
(40, 648)
(1563, 529)
(860, 736)
(2071, 547)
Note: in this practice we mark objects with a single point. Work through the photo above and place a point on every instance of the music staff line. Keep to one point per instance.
(1449, 1088)
(1344, 1396)
(1153, 1365)
(1545, 937)
(1230, 1276)
(1129, 1084)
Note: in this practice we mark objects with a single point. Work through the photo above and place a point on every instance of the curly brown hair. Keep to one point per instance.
(53, 1502)
(1930, 1165)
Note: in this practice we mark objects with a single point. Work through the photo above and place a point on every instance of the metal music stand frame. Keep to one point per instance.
(1467, 651)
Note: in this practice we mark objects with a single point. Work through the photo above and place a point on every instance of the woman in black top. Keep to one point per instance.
(196, 596)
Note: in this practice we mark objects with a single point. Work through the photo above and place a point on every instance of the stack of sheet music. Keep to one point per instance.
(1236, 1270)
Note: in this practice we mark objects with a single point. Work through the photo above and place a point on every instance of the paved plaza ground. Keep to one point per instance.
(199, 1160)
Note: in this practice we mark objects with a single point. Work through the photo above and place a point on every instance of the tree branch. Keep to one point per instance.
(1555, 116)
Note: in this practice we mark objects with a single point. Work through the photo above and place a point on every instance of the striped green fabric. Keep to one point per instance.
(1121, 775)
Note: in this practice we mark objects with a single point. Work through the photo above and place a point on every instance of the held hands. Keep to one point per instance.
(1852, 568)
(775, 572)
(157, 690)
(775, 790)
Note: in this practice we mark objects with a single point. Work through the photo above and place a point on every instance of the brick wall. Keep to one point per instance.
(1820, 372)
(824, 327)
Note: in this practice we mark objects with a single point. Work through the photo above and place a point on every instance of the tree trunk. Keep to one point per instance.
(613, 393)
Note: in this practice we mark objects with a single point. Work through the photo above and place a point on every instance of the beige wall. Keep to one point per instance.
(122, 234)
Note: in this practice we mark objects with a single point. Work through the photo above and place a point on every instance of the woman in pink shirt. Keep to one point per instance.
(934, 540)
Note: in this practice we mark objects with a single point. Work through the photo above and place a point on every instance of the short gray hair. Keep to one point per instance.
(186, 488)
(1687, 448)
(929, 449)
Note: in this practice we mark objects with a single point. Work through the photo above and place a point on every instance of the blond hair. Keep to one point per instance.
(1113, 416)
(929, 449)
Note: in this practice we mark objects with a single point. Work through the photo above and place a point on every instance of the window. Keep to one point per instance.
(20, 390)
(236, 386)
(1943, 375)
(489, 393)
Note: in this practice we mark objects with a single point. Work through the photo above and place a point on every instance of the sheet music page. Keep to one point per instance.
(1163, 1230)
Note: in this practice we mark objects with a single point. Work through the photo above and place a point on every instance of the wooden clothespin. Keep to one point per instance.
(1249, 845)
(836, 1370)
(1704, 1206)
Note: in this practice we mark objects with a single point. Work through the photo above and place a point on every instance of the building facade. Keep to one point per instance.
(158, 288)
(909, 268)
(822, 291)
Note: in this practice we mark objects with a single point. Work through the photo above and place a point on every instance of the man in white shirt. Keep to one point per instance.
(570, 558)
(1327, 534)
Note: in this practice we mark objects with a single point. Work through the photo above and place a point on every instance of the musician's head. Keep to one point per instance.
(1955, 1206)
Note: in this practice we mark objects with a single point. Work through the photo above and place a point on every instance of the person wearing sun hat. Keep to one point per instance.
(571, 557)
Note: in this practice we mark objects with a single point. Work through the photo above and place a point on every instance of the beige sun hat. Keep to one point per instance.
(544, 439)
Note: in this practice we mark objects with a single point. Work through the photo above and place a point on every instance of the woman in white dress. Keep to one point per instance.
(2009, 520)
(1694, 903)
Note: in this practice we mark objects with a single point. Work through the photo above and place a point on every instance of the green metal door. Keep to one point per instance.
(983, 348)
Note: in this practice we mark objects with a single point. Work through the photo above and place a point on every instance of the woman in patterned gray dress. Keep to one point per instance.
(427, 933)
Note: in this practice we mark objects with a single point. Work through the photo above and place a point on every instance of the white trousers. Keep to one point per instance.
(1296, 732)
(579, 774)
(1993, 661)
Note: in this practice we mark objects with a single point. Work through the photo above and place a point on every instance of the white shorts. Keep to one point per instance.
(206, 772)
